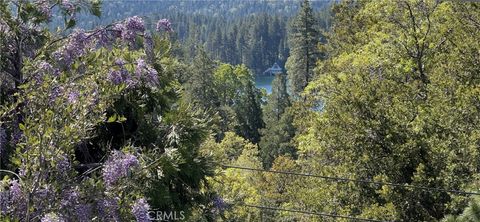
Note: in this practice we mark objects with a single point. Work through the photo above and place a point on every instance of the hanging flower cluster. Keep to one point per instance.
(164, 25)
(67, 88)
(12, 200)
(140, 210)
(43, 7)
(77, 45)
(118, 167)
(3, 140)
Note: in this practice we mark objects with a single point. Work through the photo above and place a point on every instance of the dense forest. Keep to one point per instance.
(235, 32)
(148, 110)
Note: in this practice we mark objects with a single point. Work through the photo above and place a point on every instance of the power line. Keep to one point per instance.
(311, 213)
(340, 179)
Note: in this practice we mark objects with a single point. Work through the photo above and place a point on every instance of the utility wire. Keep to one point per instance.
(311, 213)
(339, 179)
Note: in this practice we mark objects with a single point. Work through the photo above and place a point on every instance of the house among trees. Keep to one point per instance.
(275, 69)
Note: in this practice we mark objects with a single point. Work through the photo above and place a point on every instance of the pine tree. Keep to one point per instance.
(200, 88)
(279, 128)
(249, 111)
(303, 39)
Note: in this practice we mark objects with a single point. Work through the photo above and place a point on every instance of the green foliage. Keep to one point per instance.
(400, 105)
(234, 186)
(303, 39)
(470, 214)
(279, 129)
(229, 93)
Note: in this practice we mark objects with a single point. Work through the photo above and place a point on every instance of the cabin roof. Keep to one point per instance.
(274, 69)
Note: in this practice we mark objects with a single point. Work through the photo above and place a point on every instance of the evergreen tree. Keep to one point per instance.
(303, 39)
(279, 128)
(249, 111)
(200, 88)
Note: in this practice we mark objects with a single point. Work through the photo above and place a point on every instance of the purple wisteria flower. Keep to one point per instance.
(135, 24)
(115, 76)
(146, 73)
(63, 165)
(140, 210)
(77, 45)
(108, 209)
(117, 167)
(73, 97)
(129, 29)
(120, 62)
(43, 6)
(118, 29)
(3, 140)
(165, 25)
(51, 217)
(70, 199)
(103, 38)
(55, 93)
(151, 77)
(4, 202)
(68, 6)
(83, 212)
(219, 203)
(42, 193)
(15, 190)
(45, 66)
(140, 68)
(120, 76)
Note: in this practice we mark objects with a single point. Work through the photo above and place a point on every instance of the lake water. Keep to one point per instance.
(264, 82)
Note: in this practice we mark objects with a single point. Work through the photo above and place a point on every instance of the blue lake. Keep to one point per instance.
(264, 82)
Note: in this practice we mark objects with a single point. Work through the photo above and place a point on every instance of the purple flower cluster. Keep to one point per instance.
(43, 7)
(146, 73)
(3, 140)
(83, 212)
(77, 44)
(45, 66)
(120, 62)
(70, 198)
(219, 203)
(141, 66)
(73, 96)
(4, 202)
(15, 190)
(129, 29)
(55, 93)
(117, 167)
(102, 36)
(140, 210)
(115, 76)
(12, 201)
(121, 75)
(68, 6)
(135, 24)
(63, 165)
(165, 25)
(108, 209)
